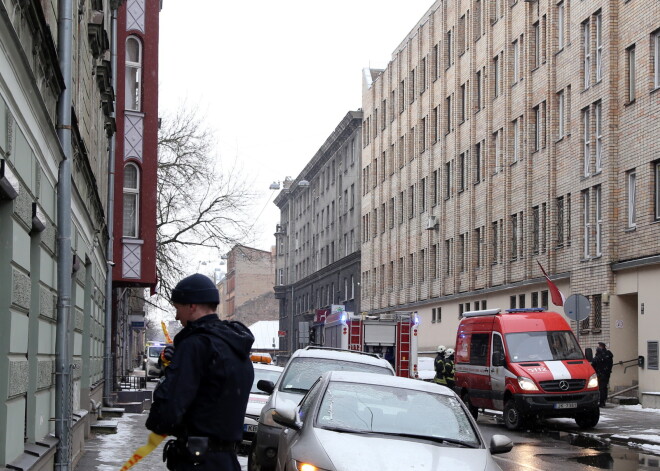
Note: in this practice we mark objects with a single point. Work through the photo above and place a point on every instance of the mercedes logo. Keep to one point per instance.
(563, 385)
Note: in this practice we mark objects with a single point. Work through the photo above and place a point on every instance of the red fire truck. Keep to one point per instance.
(392, 335)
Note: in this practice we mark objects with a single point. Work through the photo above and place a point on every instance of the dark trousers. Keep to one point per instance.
(603, 383)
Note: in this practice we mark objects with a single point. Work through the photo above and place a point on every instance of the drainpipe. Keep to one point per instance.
(63, 396)
(107, 355)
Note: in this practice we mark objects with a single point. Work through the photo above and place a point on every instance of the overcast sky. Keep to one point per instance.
(274, 78)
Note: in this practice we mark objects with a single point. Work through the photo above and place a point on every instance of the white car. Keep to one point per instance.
(257, 399)
(426, 368)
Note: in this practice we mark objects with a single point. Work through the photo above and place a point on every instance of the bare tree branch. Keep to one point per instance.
(198, 206)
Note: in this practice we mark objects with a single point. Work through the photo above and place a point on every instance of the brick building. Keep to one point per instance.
(503, 133)
(246, 292)
(318, 238)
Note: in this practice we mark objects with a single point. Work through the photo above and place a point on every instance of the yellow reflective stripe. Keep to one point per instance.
(152, 443)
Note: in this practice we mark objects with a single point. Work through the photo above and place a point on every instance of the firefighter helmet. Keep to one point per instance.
(441, 349)
(449, 352)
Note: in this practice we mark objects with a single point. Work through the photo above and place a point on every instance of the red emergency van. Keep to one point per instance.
(526, 363)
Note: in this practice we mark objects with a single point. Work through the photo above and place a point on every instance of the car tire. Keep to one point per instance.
(588, 419)
(513, 418)
(474, 411)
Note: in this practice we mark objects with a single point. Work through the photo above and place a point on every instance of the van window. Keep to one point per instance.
(543, 346)
(498, 347)
(479, 349)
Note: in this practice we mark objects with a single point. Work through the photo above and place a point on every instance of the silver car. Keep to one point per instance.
(355, 421)
(300, 373)
(257, 401)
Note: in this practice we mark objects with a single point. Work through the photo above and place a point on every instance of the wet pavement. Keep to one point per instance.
(110, 452)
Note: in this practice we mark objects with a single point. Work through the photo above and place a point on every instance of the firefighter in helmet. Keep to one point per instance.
(450, 378)
(440, 365)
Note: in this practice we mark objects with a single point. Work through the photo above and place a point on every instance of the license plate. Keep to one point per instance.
(566, 405)
(250, 428)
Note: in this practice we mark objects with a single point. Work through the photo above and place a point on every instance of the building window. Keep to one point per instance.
(561, 114)
(537, 128)
(561, 30)
(586, 142)
(495, 241)
(498, 137)
(478, 90)
(133, 89)
(599, 46)
(586, 53)
(560, 221)
(536, 32)
(449, 112)
(656, 189)
(536, 223)
(479, 161)
(652, 354)
(630, 76)
(448, 179)
(655, 43)
(586, 216)
(497, 75)
(131, 200)
(516, 60)
(514, 236)
(463, 105)
(448, 50)
(462, 163)
(598, 117)
(632, 190)
(448, 256)
(479, 246)
(516, 139)
(598, 220)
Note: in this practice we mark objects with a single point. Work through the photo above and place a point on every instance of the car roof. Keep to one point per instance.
(343, 355)
(384, 380)
(266, 366)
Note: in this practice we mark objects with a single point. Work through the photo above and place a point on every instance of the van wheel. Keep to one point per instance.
(588, 419)
(474, 412)
(513, 418)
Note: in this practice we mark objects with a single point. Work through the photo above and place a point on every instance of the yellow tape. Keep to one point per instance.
(140, 453)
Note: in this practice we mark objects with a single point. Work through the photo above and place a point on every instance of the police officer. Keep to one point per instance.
(602, 363)
(202, 397)
(439, 364)
(450, 379)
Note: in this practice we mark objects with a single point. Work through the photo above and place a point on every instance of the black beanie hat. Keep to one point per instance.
(195, 289)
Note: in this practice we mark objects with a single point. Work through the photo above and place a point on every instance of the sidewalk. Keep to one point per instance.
(110, 452)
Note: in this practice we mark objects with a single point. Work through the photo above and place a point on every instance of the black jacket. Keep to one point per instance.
(603, 361)
(206, 387)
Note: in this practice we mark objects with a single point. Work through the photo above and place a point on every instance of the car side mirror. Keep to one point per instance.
(498, 359)
(500, 444)
(287, 416)
(589, 353)
(266, 386)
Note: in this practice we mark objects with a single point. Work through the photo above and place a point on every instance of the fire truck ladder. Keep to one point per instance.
(403, 365)
(355, 335)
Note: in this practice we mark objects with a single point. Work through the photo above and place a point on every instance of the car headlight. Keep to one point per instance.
(268, 419)
(527, 384)
(593, 381)
(303, 466)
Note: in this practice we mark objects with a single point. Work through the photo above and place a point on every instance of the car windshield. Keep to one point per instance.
(155, 351)
(543, 346)
(259, 374)
(302, 372)
(393, 410)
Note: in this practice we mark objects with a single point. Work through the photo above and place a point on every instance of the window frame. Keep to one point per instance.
(135, 85)
(135, 192)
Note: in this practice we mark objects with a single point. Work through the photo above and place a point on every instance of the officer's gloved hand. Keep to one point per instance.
(166, 355)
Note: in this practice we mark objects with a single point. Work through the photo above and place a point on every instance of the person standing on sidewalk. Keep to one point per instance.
(602, 363)
(202, 397)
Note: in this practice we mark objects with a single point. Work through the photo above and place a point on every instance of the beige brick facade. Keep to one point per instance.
(474, 167)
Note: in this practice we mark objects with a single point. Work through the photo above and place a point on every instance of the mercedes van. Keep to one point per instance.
(526, 363)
